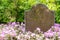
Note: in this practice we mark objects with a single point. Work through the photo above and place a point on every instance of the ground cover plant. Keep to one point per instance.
(16, 31)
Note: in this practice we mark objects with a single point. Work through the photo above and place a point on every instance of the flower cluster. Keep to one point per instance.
(16, 31)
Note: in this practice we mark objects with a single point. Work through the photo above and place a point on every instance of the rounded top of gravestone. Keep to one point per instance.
(39, 16)
(40, 5)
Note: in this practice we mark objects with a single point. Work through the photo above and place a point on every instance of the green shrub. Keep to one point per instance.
(13, 10)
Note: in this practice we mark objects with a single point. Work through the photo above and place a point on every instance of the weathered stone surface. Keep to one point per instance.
(39, 16)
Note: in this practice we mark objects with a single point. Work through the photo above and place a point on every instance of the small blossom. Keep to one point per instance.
(48, 34)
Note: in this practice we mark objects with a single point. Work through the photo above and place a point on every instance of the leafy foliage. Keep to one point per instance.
(13, 10)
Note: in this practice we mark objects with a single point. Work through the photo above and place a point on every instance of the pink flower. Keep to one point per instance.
(58, 34)
(48, 34)
(50, 30)
(56, 29)
(2, 36)
(56, 24)
(14, 23)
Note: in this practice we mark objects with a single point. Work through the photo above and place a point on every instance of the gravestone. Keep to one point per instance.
(39, 16)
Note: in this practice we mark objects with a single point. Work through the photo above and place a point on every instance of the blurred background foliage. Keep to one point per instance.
(13, 10)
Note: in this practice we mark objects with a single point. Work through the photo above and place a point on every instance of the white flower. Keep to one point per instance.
(33, 34)
(27, 36)
(47, 39)
(38, 29)
(37, 36)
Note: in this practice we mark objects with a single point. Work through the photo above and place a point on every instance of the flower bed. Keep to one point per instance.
(16, 31)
